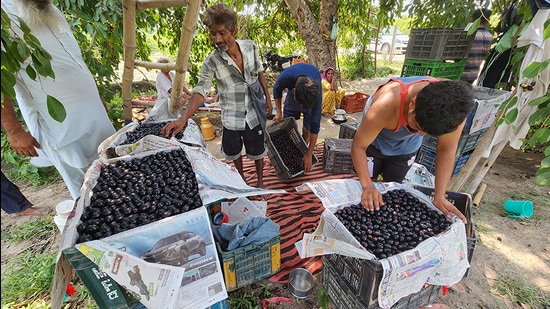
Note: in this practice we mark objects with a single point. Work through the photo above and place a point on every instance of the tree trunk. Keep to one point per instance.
(320, 48)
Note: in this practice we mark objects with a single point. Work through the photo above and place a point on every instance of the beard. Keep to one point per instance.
(40, 14)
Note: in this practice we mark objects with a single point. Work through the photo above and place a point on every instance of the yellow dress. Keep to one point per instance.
(331, 98)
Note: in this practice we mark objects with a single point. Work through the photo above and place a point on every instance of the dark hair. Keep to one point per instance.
(483, 13)
(307, 91)
(220, 14)
(442, 106)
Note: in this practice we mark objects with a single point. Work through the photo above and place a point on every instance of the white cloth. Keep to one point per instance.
(164, 84)
(71, 146)
(539, 51)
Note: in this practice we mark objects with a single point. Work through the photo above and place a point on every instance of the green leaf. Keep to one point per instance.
(539, 116)
(543, 177)
(541, 135)
(534, 68)
(540, 100)
(545, 163)
(512, 115)
(31, 72)
(56, 109)
(8, 83)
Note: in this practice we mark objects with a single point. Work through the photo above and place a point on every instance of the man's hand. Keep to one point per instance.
(308, 163)
(24, 143)
(447, 208)
(371, 199)
(173, 128)
(278, 117)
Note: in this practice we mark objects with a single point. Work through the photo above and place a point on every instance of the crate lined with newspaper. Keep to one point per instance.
(286, 149)
(408, 235)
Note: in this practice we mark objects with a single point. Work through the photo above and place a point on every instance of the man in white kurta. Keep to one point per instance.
(70, 146)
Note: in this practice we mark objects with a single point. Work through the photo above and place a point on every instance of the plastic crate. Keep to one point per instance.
(247, 264)
(426, 157)
(344, 294)
(251, 263)
(434, 68)
(295, 141)
(439, 44)
(466, 144)
(348, 129)
(354, 103)
(337, 156)
(463, 202)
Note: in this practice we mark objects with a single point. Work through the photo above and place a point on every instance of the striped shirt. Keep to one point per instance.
(478, 52)
(236, 105)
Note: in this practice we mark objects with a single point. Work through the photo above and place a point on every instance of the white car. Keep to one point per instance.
(385, 40)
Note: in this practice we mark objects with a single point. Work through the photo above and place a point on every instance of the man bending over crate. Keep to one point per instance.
(304, 96)
(395, 119)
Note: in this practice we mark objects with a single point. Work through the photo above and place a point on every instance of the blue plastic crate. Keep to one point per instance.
(466, 144)
(426, 157)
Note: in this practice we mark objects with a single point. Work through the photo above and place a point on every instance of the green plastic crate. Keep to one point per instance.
(439, 44)
(434, 68)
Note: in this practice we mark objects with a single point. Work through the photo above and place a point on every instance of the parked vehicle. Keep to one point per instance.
(385, 40)
(277, 63)
(176, 249)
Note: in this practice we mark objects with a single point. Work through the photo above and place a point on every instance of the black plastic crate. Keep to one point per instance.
(295, 141)
(337, 156)
(439, 44)
(345, 296)
(348, 129)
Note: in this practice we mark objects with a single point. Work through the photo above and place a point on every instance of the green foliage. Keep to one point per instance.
(520, 291)
(323, 298)
(265, 290)
(30, 274)
(243, 301)
(36, 229)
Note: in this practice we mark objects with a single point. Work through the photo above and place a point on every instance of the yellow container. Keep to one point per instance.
(207, 129)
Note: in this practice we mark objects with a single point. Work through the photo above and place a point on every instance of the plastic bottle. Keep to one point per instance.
(207, 129)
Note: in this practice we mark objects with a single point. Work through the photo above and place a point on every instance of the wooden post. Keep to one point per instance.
(129, 44)
(188, 30)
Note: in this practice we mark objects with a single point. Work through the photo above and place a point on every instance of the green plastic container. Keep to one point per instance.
(434, 68)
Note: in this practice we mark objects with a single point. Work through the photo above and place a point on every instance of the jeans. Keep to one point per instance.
(13, 201)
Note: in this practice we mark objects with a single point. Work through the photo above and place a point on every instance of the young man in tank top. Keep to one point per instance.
(395, 119)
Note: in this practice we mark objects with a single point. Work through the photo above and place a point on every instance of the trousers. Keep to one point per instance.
(13, 201)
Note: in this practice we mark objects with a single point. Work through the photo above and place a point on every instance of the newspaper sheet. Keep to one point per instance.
(487, 107)
(196, 283)
(242, 209)
(440, 260)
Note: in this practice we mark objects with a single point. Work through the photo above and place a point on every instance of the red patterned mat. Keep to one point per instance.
(295, 212)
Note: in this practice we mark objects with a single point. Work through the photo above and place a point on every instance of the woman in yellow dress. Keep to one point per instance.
(332, 96)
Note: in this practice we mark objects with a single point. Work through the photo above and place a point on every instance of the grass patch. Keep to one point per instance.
(519, 291)
(41, 228)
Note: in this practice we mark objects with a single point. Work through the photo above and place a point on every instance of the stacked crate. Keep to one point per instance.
(437, 52)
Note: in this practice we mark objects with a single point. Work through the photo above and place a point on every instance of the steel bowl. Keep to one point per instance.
(301, 282)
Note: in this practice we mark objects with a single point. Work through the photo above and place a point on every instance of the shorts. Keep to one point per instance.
(392, 168)
(253, 140)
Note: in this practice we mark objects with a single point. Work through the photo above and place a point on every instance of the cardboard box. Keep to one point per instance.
(486, 109)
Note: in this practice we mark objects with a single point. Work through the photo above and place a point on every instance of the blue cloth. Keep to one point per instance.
(287, 80)
(13, 201)
(255, 230)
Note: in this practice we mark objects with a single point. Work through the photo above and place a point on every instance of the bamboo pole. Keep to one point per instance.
(188, 30)
(129, 44)
(148, 4)
(479, 194)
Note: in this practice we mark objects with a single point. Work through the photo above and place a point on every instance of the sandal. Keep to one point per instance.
(458, 287)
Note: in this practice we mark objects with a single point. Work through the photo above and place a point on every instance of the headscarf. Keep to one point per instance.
(324, 75)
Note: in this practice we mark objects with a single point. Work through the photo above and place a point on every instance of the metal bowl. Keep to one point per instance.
(301, 282)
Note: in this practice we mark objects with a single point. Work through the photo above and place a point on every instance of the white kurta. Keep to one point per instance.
(71, 146)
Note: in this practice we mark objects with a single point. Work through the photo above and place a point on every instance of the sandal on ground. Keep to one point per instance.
(435, 306)
(458, 287)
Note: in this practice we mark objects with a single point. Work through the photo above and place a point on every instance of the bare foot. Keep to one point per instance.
(30, 212)
(458, 287)
(435, 306)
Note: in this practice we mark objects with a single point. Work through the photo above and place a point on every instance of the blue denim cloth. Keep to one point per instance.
(13, 201)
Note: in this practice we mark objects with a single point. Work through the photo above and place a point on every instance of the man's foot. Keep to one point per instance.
(458, 287)
(435, 306)
(30, 212)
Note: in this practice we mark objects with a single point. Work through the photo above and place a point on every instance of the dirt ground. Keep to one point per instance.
(506, 248)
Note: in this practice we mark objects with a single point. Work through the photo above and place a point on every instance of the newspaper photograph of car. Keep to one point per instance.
(176, 249)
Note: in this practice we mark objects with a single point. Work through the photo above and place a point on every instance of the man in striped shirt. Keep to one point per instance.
(480, 47)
